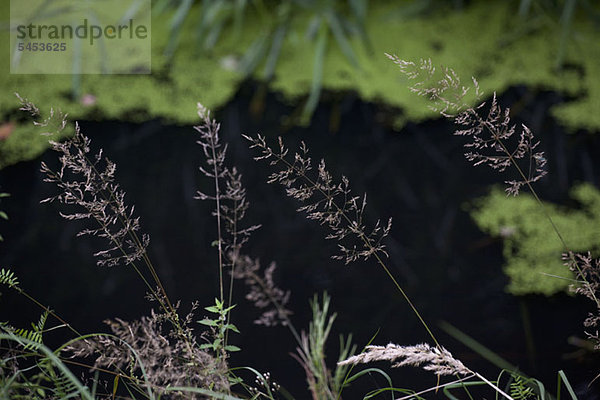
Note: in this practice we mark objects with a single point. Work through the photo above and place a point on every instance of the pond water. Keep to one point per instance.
(418, 176)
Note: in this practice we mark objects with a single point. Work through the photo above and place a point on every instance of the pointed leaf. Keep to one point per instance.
(563, 378)
(229, 309)
(273, 55)
(115, 385)
(315, 87)
(340, 37)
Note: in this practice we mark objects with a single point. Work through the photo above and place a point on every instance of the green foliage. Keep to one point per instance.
(52, 379)
(563, 380)
(322, 383)
(34, 335)
(520, 388)
(8, 278)
(532, 251)
(220, 328)
(521, 55)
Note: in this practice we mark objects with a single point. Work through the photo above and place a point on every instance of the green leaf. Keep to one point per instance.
(524, 7)
(3, 215)
(342, 40)
(206, 346)
(208, 322)
(115, 385)
(232, 328)
(273, 55)
(234, 380)
(359, 8)
(8, 278)
(232, 348)
(316, 84)
(228, 309)
(213, 309)
(253, 55)
(563, 378)
(477, 347)
(176, 24)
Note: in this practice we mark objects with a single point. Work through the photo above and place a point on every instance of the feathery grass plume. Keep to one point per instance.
(231, 207)
(87, 180)
(55, 123)
(587, 273)
(264, 292)
(435, 359)
(229, 195)
(489, 132)
(170, 357)
(330, 203)
(215, 169)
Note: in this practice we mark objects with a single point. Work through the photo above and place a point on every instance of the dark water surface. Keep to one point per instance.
(418, 176)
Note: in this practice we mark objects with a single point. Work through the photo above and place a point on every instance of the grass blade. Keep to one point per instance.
(477, 347)
(562, 378)
(524, 7)
(253, 55)
(176, 25)
(565, 22)
(339, 35)
(317, 81)
(273, 55)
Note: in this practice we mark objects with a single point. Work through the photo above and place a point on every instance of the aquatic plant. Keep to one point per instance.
(512, 51)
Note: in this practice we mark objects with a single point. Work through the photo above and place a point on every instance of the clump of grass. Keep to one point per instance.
(161, 354)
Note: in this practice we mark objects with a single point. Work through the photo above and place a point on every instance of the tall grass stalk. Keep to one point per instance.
(489, 135)
(333, 214)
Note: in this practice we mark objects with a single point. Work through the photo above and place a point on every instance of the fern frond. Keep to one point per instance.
(34, 335)
(64, 387)
(8, 278)
(520, 389)
(31, 335)
(39, 327)
(54, 380)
